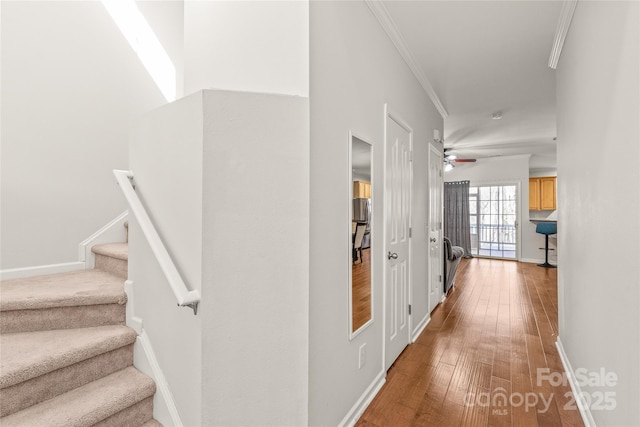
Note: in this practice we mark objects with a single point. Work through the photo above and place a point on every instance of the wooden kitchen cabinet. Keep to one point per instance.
(361, 190)
(534, 194)
(542, 193)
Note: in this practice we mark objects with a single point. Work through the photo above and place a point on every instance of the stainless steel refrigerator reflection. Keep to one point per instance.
(362, 214)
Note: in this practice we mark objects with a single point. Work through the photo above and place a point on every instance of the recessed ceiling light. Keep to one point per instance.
(497, 115)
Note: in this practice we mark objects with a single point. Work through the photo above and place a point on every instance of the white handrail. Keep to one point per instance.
(185, 297)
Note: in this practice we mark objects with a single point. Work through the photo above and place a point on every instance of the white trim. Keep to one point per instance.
(39, 270)
(164, 405)
(114, 231)
(433, 150)
(421, 326)
(384, 237)
(382, 14)
(587, 418)
(133, 322)
(564, 22)
(144, 359)
(353, 334)
(358, 409)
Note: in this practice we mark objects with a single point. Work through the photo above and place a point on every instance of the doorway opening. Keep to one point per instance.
(493, 216)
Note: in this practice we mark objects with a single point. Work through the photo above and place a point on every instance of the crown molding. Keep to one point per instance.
(564, 22)
(382, 14)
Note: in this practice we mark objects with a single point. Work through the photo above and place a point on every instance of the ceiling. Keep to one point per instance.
(482, 57)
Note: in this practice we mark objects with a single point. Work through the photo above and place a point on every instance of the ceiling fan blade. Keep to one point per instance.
(464, 160)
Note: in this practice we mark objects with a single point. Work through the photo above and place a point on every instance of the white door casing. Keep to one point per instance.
(397, 280)
(436, 285)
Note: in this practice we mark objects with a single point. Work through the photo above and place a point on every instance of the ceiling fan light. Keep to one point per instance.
(448, 167)
(451, 156)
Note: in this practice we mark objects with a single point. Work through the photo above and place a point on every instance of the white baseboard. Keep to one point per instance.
(418, 330)
(39, 270)
(114, 231)
(164, 406)
(587, 418)
(144, 359)
(357, 410)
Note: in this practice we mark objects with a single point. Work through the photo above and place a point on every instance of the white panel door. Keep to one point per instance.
(436, 287)
(397, 223)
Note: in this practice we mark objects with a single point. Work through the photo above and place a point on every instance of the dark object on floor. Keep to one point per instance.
(546, 228)
(452, 257)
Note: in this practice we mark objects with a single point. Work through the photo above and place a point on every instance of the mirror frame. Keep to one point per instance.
(352, 333)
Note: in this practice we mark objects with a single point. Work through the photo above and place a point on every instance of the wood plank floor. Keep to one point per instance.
(476, 363)
(361, 290)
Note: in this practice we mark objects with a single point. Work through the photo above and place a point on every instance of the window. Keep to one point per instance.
(493, 219)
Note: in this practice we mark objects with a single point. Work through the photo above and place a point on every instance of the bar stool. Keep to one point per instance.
(546, 228)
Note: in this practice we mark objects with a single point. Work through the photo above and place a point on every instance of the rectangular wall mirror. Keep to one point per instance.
(360, 236)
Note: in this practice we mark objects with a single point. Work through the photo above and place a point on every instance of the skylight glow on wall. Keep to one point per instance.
(144, 42)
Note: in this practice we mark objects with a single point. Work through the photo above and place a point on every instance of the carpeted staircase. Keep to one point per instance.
(66, 354)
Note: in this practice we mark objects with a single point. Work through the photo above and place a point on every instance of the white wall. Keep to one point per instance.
(255, 308)
(506, 169)
(225, 180)
(598, 109)
(257, 46)
(71, 86)
(355, 70)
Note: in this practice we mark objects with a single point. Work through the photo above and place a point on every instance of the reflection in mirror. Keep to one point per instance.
(361, 216)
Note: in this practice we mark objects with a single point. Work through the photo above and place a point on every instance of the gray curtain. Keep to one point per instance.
(456, 215)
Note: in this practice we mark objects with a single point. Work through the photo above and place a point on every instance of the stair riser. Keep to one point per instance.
(134, 415)
(115, 266)
(47, 319)
(52, 384)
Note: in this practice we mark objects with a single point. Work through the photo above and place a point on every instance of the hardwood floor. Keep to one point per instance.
(361, 290)
(476, 363)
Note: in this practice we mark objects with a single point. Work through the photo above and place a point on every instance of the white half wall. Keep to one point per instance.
(225, 177)
(355, 70)
(598, 108)
(255, 260)
(71, 85)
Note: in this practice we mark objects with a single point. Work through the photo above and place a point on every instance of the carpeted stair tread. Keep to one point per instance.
(28, 355)
(83, 287)
(89, 404)
(151, 423)
(113, 250)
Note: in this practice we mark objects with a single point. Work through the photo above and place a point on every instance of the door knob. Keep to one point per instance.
(392, 255)
(432, 239)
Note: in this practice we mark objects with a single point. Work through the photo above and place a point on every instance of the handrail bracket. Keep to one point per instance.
(193, 306)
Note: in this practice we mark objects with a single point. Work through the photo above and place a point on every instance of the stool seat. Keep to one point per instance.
(546, 228)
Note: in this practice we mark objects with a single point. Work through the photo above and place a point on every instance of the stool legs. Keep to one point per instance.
(546, 254)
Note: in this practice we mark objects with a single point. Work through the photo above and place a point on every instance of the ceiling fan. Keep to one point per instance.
(450, 160)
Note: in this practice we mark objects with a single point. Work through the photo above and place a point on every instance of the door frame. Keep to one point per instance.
(518, 185)
(433, 150)
(390, 114)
